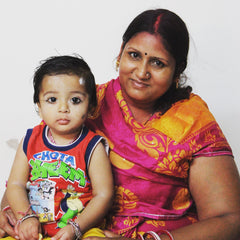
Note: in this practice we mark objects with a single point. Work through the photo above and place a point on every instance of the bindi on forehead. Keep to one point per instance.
(145, 54)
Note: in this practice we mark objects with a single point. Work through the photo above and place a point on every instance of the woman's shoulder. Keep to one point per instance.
(111, 85)
(193, 108)
(103, 86)
(186, 117)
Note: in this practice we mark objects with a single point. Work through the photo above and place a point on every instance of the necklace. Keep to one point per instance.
(148, 119)
(50, 137)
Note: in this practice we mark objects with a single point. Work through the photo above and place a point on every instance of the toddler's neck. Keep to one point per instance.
(52, 140)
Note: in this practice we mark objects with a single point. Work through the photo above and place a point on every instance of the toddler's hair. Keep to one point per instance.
(71, 65)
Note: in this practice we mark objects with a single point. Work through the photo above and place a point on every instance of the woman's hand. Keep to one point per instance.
(65, 233)
(7, 223)
(109, 235)
(29, 229)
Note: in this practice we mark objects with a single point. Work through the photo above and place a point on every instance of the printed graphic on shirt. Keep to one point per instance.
(41, 197)
(71, 205)
(49, 164)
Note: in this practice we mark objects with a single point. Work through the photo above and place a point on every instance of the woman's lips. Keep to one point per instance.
(139, 84)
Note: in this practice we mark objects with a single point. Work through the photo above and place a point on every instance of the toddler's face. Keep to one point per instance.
(63, 104)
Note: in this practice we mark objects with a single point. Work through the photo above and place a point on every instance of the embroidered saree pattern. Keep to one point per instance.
(151, 162)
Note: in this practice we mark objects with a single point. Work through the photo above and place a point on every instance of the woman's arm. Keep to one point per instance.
(215, 186)
(7, 219)
(100, 174)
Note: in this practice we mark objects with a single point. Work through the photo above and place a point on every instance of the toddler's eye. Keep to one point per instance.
(51, 100)
(76, 100)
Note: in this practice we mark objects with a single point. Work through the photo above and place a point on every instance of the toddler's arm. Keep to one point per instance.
(17, 196)
(100, 174)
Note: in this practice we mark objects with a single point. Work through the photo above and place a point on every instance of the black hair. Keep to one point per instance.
(71, 65)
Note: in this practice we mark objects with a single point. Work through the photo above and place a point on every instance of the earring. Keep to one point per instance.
(177, 83)
(117, 64)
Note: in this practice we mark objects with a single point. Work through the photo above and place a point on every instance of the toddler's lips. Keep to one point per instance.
(63, 121)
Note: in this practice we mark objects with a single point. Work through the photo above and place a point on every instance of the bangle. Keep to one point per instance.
(6, 208)
(76, 228)
(23, 219)
(140, 236)
(153, 234)
(167, 233)
(156, 236)
(26, 217)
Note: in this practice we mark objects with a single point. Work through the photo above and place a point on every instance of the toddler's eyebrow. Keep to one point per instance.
(49, 92)
(79, 92)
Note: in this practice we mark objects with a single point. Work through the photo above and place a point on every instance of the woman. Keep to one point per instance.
(172, 165)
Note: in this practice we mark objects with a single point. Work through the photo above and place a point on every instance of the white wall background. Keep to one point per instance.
(32, 30)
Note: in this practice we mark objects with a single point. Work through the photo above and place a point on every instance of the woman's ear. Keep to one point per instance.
(120, 53)
(119, 57)
(180, 68)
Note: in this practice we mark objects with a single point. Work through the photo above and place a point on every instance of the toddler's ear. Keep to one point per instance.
(91, 111)
(38, 109)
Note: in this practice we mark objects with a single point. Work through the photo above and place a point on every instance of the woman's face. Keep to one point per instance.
(146, 69)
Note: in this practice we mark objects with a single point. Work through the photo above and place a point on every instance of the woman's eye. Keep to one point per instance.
(51, 100)
(134, 55)
(76, 100)
(158, 63)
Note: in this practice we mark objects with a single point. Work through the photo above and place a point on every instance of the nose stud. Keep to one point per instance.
(148, 75)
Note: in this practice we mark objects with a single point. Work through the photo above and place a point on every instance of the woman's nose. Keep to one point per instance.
(142, 71)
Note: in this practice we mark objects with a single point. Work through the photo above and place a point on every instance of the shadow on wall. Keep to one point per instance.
(13, 143)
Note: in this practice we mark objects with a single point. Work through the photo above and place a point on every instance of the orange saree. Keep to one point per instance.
(151, 162)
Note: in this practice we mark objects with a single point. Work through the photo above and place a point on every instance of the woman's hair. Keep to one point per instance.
(175, 37)
(71, 65)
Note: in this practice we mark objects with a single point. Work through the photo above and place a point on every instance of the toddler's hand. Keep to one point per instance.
(65, 233)
(29, 229)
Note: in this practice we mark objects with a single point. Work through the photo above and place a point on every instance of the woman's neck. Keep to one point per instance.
(141, 115)
(141, 112)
